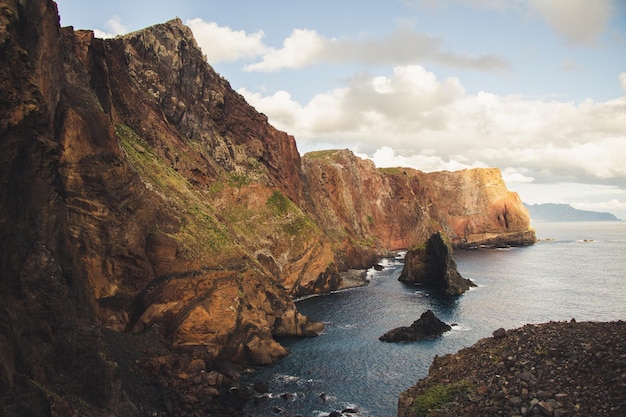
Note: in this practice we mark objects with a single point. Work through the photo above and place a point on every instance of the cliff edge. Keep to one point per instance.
(141, 196)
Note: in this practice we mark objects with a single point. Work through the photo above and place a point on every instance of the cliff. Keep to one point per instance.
(394, 208)
(138, 191)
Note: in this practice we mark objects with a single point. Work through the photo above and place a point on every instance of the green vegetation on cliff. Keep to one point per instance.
(201, 232)
(295, 220)
(435, 398)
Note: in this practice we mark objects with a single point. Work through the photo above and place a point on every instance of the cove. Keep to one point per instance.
(579, 274)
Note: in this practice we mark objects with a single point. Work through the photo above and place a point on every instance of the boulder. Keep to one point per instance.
(427, 326)
(432, 264)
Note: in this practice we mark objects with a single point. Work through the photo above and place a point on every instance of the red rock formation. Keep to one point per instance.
(137, 189)
(394, 208)
(112, 211)
(474, 207)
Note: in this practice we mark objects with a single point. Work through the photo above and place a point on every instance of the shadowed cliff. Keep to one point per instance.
(138, 191)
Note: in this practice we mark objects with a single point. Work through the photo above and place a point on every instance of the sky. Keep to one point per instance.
(536, 88)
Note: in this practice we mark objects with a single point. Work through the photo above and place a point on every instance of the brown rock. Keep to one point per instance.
(139, 192)
(556, 383)
(427, 326)
(432, 264)
(196, 366)
(499, 333)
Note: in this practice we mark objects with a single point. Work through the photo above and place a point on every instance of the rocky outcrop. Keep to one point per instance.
(550, 369)
(432, 264)
(426, 327)
(138, 191)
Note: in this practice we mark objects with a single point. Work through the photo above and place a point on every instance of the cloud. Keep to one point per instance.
(222, 44)
(302, 48)
(387, 157)
(114, 27)
(435, 124)
(516, 176)
(579, 22)
(402, 47)
(613, 206)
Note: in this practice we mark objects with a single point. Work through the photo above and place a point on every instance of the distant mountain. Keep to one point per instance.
(550, 212)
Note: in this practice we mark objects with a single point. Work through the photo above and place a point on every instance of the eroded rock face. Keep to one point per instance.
(474, 207)
(119, 210)
(138, 190)
(393, 208)
(432, 264)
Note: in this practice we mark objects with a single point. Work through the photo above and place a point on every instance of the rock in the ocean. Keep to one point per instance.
(427, 326)
(432, 264)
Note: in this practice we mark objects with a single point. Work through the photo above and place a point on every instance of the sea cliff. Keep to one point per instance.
(139, 193)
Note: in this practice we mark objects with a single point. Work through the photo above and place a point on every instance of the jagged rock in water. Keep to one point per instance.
(427, 326)
(432, 264)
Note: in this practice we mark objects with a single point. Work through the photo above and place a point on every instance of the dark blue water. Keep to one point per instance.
(579, 273)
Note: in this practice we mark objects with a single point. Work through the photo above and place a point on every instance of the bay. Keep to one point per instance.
(577, 270)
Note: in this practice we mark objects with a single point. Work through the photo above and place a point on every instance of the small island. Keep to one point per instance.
(426, 327)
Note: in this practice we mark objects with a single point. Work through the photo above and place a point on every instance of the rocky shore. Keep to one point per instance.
(554, 369)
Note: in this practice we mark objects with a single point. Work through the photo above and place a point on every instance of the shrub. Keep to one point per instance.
(438, 396)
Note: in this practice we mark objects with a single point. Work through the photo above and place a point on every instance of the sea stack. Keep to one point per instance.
(432, 264)
(427, 326)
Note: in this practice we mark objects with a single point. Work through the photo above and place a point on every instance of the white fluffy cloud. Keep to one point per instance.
(113, 26)
(404, 46)
(221, 43)
(434, 124)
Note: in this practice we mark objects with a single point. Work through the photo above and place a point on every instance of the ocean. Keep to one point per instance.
(576, 270)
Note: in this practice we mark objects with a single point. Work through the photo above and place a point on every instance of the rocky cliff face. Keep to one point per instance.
(394, 208)
(138, 190)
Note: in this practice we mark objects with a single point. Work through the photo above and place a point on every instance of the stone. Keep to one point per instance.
(525, 393)
(499, 333)
(427, 326)
(545, 408)
(261, 387)
(525, 376)
(196, 365)
(432, 264)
